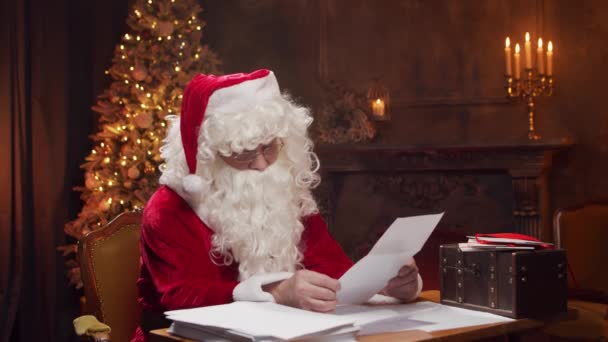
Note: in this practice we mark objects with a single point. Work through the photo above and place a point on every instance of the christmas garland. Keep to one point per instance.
(343, 117)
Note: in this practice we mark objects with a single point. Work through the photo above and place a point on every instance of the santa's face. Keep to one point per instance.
(254, 212)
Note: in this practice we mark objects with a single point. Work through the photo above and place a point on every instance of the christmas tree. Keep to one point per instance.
(151, 66)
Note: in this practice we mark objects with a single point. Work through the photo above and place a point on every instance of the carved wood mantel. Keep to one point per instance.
(528, 166)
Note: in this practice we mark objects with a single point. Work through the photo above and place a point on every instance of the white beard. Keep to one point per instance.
(255, 217)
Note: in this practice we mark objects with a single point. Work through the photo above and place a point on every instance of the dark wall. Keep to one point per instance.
(279, 35)
(581, 30)
(443, 63)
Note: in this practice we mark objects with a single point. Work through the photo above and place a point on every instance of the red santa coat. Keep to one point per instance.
(176, 271)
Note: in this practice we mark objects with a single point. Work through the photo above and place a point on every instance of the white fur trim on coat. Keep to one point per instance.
(251, 289)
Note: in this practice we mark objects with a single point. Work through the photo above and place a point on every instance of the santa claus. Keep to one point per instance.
(234, 218)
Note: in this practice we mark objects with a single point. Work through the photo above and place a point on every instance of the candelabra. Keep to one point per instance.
(528, 90)
(534, 84)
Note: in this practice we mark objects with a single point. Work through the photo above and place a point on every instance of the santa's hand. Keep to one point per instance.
(405, 285)
(307, 290)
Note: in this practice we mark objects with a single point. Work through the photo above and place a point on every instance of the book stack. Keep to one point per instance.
(503, 241)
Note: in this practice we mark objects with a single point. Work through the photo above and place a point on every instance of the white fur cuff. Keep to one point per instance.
(251, 289)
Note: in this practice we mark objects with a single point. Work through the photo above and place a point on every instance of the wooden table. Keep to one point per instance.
(515, 327)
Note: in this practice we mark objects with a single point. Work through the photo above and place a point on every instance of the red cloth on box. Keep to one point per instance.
(176, 271)
(510, 239)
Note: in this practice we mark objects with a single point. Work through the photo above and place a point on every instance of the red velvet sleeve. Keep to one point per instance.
(176, 254)
(321, 252)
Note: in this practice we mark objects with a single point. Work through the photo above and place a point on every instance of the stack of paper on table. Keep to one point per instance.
(251, 321)
(254, 321)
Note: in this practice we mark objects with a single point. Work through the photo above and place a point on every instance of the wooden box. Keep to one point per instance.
(530, 283)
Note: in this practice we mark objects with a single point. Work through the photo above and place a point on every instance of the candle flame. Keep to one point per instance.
(507, 42)
(540, 43)
(550, 46)
(378, 101)
(517, 48)
(527, 36)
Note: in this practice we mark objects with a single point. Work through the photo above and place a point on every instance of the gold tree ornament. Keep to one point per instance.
(133, 172)
(165, 28)
(139, 72)
(121, 171)
(144, 120)
(90, 183)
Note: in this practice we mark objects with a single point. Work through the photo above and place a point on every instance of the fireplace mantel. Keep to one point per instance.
(528, 164)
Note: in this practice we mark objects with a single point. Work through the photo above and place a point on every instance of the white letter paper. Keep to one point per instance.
(401, 241)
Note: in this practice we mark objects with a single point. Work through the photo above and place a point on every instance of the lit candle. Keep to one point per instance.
(549, 59)
(540, 59)
(378, 107)
(528, 51)
(517, 73)
(508, 56)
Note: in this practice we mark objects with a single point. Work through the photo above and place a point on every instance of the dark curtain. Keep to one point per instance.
(15, 140)
(33, 149)
(52, 58)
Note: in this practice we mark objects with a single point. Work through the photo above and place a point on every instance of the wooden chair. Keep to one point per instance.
(109, 265)
(583, 231)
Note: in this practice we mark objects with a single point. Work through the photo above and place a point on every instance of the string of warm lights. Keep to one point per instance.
(151, 65)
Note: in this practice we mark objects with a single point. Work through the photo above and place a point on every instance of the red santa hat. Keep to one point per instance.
(217, 94)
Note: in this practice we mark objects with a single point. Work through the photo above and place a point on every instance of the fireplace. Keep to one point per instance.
(498, 188)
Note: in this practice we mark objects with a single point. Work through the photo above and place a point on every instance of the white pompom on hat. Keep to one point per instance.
(226, 93)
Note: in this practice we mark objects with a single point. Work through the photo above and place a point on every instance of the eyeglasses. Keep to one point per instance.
(270, 153)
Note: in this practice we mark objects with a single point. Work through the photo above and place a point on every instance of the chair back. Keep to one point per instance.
(583, 232)
(109, 266)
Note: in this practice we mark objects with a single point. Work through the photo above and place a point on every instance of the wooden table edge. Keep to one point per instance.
(471, 332)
